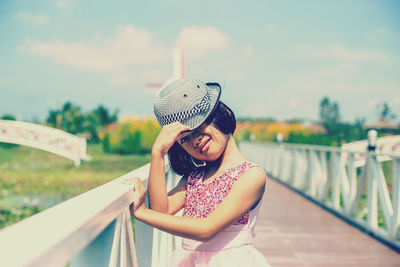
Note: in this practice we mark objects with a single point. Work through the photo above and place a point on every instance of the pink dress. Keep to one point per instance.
(231, 247)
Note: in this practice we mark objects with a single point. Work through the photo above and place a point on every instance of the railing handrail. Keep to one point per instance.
(55, 235)
(336, 179)
(44, 138)
(326, 148)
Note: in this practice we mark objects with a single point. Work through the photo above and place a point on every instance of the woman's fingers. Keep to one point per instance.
(168, 135)
(176, 128)
(131, 180)
(135, 181)
(140, 194)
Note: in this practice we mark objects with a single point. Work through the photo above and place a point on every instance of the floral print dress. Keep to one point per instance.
(232, 246)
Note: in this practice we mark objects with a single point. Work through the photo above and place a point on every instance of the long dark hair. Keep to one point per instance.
(223, 119)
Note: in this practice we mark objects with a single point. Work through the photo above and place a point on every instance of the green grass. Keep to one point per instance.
(32, 180)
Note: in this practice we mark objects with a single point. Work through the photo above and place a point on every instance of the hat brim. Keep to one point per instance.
(195, 122)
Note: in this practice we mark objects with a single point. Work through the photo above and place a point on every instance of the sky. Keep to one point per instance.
(273, 58)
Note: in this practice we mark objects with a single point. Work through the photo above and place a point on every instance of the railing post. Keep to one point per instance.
(325, 182)
(281, 158)
(144, 240)
(351, 175)
(372, 195)
(395, 233)
(317, 170)
(372, 134)
(98, 253)
(315, 174)
(334, 170)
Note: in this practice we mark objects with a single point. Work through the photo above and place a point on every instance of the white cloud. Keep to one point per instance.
(36, 19)
(130, 77)
(129, 45)
(65, 4)
(256, 109)
(336, 83)
(121, 79)
(270, 27)
(339, 52)
(198, 41)
(4, 81)
(376, 35)
(154, 75)
(248, 50)
(372, 103)
(294, 103)
(395, 101)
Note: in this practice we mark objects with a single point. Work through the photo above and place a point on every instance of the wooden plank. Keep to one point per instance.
(293, 231)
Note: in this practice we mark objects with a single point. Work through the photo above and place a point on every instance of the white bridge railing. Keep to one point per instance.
(45, 138)
(92, 229)
(361, 186)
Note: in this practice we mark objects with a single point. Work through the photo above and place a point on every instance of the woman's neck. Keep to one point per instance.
(230, 158)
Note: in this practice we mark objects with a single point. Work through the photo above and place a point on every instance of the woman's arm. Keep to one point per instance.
(160, 201)
(176, 197)
(158, 197)
(246, 191)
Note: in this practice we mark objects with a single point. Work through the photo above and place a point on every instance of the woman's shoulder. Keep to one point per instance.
(254, 173)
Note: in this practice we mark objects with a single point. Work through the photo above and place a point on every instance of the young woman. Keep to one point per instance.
(220, 190)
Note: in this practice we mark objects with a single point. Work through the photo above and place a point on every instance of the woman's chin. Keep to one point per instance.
(210, 157)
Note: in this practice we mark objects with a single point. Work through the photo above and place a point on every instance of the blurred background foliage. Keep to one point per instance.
(130, 136)
(32, 180)
(135, 135)
(329, 130)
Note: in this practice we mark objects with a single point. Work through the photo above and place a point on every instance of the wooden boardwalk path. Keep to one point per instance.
(293, 231)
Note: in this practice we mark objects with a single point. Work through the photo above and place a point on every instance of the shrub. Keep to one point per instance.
(10, 118)
(130, 136)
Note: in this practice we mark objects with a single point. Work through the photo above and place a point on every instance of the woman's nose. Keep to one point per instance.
(197, 140)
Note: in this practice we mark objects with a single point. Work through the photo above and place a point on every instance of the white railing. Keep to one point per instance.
(45, 138)
(357, 189)
(92, 229)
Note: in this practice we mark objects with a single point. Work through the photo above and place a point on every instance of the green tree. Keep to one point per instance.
(96, 120)
(72, 118)
(104, 115)
(69, 118)
(7, 117)
(92, 126)
(385, 112)
(329, 112)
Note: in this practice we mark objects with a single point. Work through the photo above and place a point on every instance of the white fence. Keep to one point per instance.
(362, 186)
(92, 229)
(45, 138)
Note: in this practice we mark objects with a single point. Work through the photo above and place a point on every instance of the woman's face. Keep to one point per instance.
(206, 143)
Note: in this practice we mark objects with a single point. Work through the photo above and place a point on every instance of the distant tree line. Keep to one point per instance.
(336, 131)
(339, 132)
(134, 135)
(70, 118)
(129, 136)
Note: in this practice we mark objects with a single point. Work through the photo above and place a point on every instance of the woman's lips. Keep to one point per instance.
(204, 146)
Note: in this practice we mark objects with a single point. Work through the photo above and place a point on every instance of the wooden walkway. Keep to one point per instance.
(293, 231)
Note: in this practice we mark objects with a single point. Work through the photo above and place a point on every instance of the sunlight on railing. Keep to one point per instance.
(362, 186)
(92, 229)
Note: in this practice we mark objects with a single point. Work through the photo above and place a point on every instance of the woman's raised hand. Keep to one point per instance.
(167, 136)
(139, 195)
